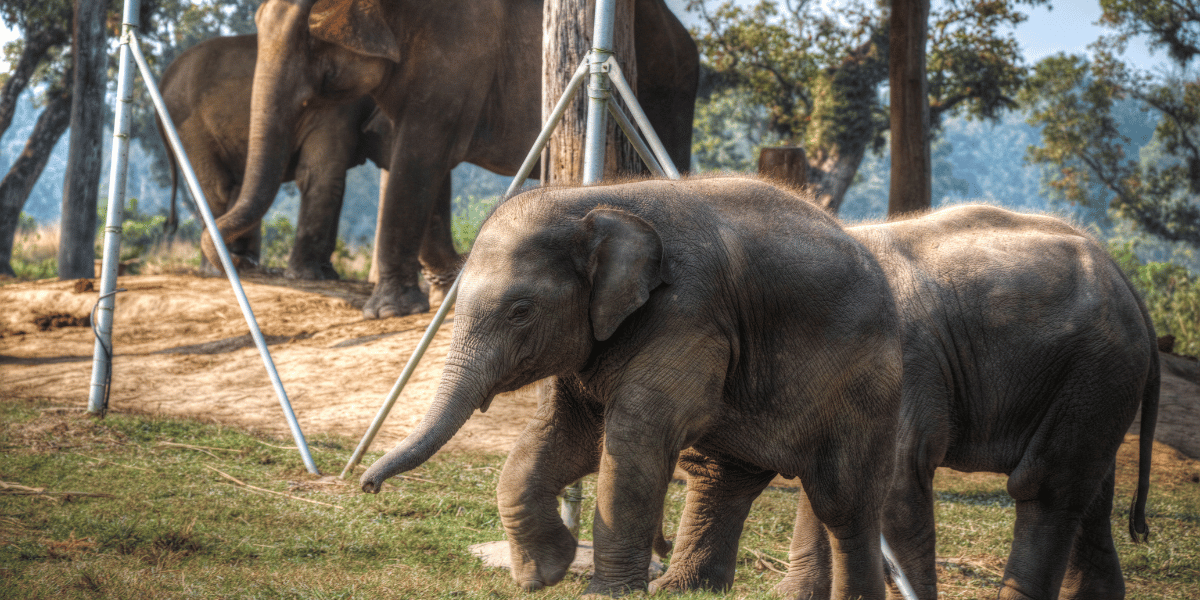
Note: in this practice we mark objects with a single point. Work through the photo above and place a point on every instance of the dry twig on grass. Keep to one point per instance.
(765, 561)
(14, 489)
(204, 449)
(258, 489)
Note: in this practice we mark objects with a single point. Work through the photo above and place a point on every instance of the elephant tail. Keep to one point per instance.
(1139, 532)
(172, 224)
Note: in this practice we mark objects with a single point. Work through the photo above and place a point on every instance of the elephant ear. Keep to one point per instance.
(357, 25)
(626, 263)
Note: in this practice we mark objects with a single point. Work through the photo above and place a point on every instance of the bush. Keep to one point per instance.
(1171, 293)
(470, 213)
(278, 237)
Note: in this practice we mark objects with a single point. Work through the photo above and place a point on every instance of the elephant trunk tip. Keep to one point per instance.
(370, 486)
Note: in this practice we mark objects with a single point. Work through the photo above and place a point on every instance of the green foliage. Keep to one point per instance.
(1171, 293)
(278, 237)
(352, 262)
(469, 214)
(1091, 160)
(142, 234)
(729, 131)
(1173, 24)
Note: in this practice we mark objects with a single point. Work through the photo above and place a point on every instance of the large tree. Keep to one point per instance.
(77, 229)
(908, 30)
(1090, 159)
(801, 75)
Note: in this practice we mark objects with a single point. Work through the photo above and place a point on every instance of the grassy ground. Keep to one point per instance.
(139, 507)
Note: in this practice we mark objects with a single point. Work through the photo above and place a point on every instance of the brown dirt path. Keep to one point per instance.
(183, 349)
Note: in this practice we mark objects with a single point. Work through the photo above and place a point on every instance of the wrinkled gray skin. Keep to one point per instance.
(207, 92)
(1026, 352)
(723, 314)
(460, 81)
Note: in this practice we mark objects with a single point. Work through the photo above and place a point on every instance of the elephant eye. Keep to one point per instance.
(521, 312)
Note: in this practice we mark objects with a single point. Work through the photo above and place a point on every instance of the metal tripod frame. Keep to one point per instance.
(102, 356)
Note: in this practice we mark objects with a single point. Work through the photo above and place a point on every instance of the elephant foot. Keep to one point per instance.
(439, 285)
(395, 300)
(677, 581)
(798, 587)
(243, 264)
(312, 272)
(542, 563)
(598, 591)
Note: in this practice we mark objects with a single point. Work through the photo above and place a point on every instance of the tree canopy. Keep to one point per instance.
(1090, 159)
(799, 74)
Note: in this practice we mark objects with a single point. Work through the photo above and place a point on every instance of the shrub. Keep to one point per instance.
(278, 236)
(1171, 293)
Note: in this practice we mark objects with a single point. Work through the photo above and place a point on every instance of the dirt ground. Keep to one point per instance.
(182, 348)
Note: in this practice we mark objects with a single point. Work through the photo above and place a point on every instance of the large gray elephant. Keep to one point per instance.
(207, 92)
(723, 314)
(460, 81)
(1026, 352)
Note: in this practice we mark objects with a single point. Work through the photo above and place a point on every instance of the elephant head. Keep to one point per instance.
(327, 51)
(538, 293)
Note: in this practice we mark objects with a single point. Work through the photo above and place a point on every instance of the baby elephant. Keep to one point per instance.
(721, 314)
(1026, 352)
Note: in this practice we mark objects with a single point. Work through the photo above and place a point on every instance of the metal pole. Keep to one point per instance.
(634, 138)
(227, 263)
(893, 565)
(618, 80)
(102, 354)
(598, 92)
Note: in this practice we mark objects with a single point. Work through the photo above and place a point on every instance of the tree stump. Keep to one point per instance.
(785, 164)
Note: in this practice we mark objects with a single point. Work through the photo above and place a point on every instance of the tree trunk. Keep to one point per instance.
(26, 170)
(844, 120)
(566, 39)
(910, 182)
(37, 44)
(76, 250)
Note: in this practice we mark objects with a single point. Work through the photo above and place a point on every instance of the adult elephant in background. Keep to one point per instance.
(1026, 352)
(207, 92)
(460, 81)
(723, 314)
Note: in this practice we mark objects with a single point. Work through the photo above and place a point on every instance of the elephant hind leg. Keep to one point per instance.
(810, 571)
(720, 494)
(1094, 569)
(440, 262)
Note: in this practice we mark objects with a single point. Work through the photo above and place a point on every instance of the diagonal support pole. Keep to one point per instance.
(102, 363)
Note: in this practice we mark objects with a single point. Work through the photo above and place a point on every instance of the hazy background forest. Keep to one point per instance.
(1100, 130)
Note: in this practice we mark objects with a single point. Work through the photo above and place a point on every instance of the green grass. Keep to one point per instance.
(137, 507)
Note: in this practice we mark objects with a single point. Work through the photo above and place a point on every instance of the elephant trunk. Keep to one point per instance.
(458, 395)
(278, 94)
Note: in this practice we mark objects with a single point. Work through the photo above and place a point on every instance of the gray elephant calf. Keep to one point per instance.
(722, 314)
(1026, 352)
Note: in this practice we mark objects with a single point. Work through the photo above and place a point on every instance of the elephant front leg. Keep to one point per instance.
(558, 447)
(635, 469)
(720, 494)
